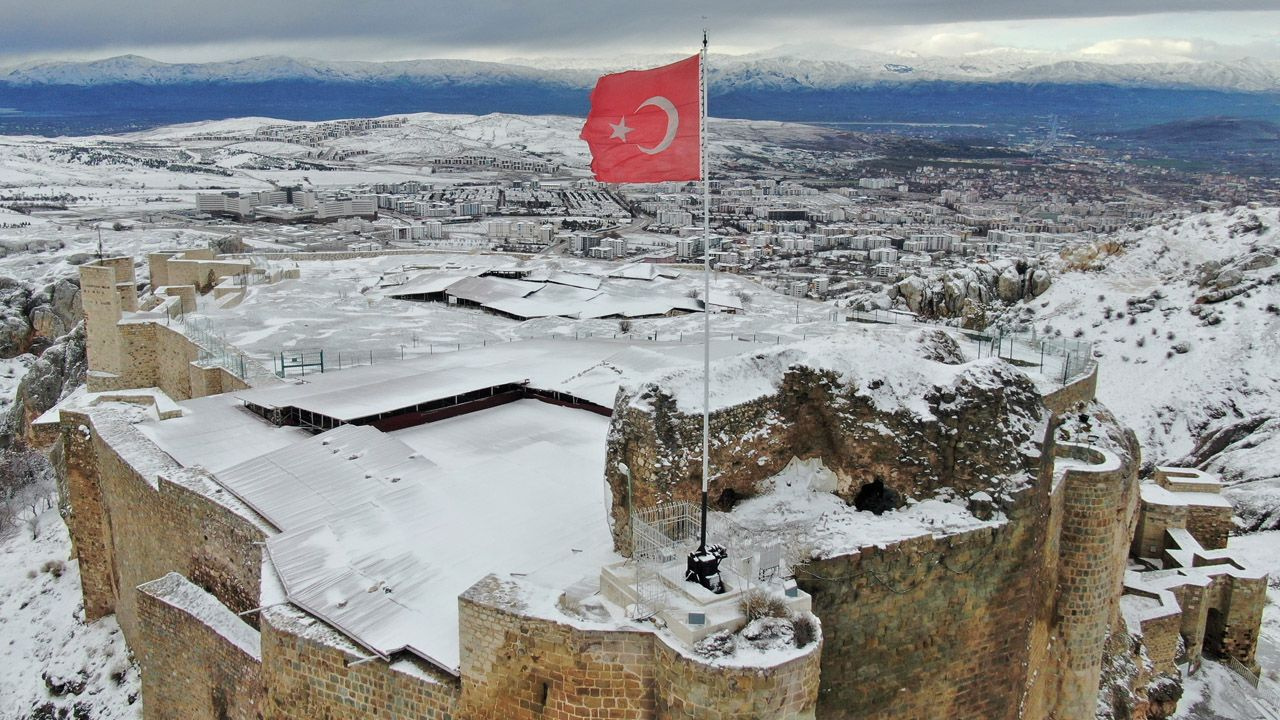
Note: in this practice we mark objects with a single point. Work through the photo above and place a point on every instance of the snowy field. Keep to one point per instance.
(1174, 366)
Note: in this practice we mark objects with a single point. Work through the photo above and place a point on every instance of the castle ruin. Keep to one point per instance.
(1011, 528)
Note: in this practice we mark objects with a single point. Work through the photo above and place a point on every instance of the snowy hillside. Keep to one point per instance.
(1185, 317)
(56, 665)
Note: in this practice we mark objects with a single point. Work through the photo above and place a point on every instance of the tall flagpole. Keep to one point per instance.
(706, 289)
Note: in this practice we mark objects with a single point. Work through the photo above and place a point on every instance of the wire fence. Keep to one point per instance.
(1058, 360)
(216, 351)
(667, 533)
(291, 362)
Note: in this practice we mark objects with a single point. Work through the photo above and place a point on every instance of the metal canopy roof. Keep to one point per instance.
(331, 472)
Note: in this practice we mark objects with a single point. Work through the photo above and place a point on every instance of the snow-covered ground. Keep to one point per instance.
(53, 661)
(1176, 365)
(343, 308)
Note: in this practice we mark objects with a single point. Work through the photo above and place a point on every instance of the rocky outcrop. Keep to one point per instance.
(1131, 687)
(1240, 452)
(914, 422)
(58, 371)
(969, 292)
(31, 320)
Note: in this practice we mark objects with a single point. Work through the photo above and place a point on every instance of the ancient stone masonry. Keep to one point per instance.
(1217, 600)
(137, 516)
(131, 349)
(518, 665)
(1099, 504)
(310, 672)
(199, 660)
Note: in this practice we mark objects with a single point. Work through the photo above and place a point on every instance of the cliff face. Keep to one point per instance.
(896, 410)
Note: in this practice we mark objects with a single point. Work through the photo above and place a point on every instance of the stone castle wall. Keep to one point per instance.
(102, 310)
(519, 666)
(138, 352)
(1100, 505)
(198, 267)
(137, 516)
(1078, 391)
(687, 688)
(1211, 526)
(199, 660)
(932, 628)
(311, 672)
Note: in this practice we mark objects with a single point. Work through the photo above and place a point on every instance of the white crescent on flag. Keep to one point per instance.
(673, 123)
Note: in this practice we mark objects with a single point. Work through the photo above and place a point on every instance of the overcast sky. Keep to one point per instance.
(204, 30)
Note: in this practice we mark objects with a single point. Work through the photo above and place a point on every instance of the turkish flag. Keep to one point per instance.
(643, 124)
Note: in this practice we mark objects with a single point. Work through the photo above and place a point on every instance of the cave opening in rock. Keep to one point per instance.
(727, 499)
(876, 497)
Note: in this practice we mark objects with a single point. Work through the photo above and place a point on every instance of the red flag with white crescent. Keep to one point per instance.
(644, 124)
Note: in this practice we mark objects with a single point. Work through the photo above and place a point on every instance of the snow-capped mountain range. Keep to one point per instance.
(786, 69)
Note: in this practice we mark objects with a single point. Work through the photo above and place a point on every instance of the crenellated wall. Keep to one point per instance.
(199, 268)
(146, 349)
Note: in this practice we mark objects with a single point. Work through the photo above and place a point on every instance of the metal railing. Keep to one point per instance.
(1057, 359)
(665, 532)
(215, 350)
(1239, 669)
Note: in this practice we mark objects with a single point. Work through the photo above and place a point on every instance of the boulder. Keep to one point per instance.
(1009, 285)
(15, 335)
(45, 323)
(1040, 282)
(65, 301)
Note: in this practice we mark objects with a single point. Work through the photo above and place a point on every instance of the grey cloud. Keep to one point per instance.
(536, 27)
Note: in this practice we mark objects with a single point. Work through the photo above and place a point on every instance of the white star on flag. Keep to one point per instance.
(620, 130)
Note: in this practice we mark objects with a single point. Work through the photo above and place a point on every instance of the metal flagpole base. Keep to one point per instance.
(704, 568)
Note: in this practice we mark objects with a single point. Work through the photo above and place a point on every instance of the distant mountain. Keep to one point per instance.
(791, 69)
(995, 93)
(1208, 130)
(134, 69)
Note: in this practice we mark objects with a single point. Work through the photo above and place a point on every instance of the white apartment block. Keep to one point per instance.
(937, 242)
(883, 255)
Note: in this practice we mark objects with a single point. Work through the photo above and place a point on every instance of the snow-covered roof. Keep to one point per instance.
(485, 290)
(332, 472)
(515, 489)
(386, 395)
(428, 284)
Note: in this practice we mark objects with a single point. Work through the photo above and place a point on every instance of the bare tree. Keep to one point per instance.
(26, 489)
